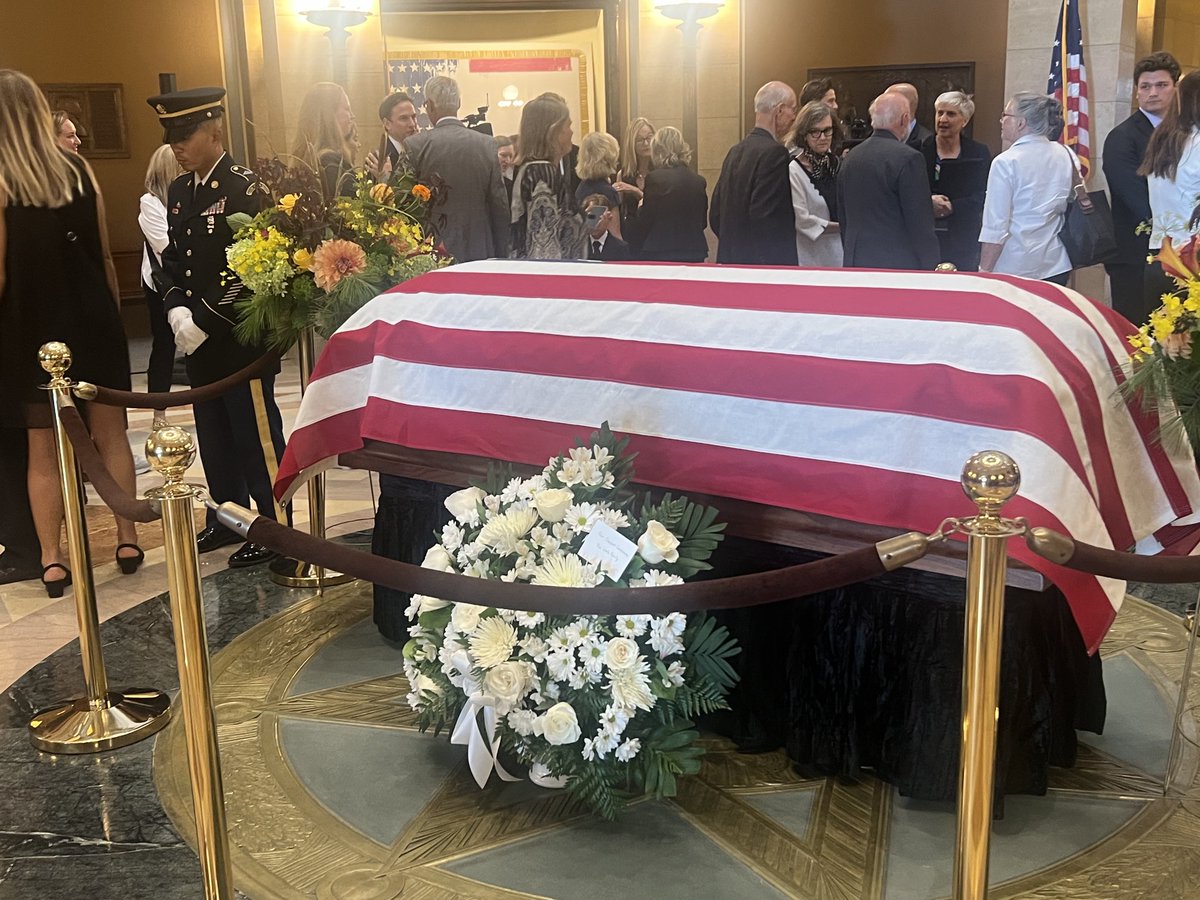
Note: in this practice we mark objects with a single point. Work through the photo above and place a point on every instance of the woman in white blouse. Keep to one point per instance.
(152, 217)
(1027, 192)
(813, 176)
(1172, 167)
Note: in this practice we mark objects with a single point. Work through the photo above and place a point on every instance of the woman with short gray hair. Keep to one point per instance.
(958, 171)
(1028, 189)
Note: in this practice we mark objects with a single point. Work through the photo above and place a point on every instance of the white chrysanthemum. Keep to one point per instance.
(631, 688)
(629, 750)
(503, 531)
(591, 653)
(452, 536)
(521, 721)
(559, 664)
(675, 674)
(561, 571)
(655, 578)
(632, 626)
(666, 634)
(527, 619)
(604, 743)
(534, 647)
(492, 642)
(577, 678)
(614, 519)
(511, 490)
(582, 516)
(614, 719)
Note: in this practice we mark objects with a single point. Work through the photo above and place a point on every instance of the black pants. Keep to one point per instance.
(1061, 278)
(1155, 283)
(241, 443)
(162, 347)
(1127, 282)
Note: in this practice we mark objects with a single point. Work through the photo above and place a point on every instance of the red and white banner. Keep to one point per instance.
(848, 393)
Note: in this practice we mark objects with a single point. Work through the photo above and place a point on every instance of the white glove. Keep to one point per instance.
(188, 335)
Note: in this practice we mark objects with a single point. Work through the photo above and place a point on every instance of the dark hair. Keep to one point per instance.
(391, 101)
(1156, 62)
(1169, 139)
(815, 90)
(597, 199)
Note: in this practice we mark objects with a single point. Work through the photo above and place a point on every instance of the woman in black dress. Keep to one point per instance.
(57, 283)
(670, 223)
(958, 172)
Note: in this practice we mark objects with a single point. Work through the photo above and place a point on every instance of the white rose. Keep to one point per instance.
(429, 604)
(465, 617)
(506, 682)
(657, 544)
(463, 504)
(621, 653)
(437, 558)
(552, 503)
(559, 725)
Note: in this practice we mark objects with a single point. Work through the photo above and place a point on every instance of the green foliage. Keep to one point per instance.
(595, 785)
(696, 526)
(667, 752)
(1170, 389)
(709, 649)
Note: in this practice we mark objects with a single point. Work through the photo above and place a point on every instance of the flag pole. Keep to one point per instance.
(1062, 70)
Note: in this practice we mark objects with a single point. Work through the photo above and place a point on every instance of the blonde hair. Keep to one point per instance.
(162, 170)
(316, 124)
(598, 153)
(629, 164)
(34, 170)
(668, 148)
(541, 119)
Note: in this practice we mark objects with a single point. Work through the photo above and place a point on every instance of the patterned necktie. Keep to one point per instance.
(595, 249)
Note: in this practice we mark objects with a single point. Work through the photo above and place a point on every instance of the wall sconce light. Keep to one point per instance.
(689, 13)
(339, 16)
(510, 96)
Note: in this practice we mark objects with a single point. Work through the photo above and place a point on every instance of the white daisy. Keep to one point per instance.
(629, 750)
(582, 516)
(631, 626)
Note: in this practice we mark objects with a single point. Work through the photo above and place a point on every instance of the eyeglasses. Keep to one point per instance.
(820, 132)
(1009, 116)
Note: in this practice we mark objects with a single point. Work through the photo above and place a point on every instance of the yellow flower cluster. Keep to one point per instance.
(1176, 316)
(262, 260)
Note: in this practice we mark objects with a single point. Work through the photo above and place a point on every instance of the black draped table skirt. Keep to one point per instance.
(864, 677)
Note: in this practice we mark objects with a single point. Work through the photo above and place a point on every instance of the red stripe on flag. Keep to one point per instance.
(522, 64)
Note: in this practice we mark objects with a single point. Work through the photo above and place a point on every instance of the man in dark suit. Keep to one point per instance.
(398, 115)
(917, 133)
(506, 153)
(603, 221)
(751, 210)
(473, 223)
(883, 196)
(1135, 290)
(240, 432)
(20, 553)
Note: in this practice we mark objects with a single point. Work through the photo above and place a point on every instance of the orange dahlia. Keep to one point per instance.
(333, 260)
(421, 192)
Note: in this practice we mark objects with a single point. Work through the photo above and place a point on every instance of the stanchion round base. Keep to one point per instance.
(78, 727)
(299, 574)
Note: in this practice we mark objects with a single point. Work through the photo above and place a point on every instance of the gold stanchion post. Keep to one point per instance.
(170, 451)
(104, 719)
(295, 572)
(990, 479)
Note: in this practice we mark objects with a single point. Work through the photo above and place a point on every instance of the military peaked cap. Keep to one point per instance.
(181, 112)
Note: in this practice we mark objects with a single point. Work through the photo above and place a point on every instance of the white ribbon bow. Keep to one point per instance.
(480, 738)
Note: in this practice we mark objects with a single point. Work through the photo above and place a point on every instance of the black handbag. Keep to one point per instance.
(1087, 230)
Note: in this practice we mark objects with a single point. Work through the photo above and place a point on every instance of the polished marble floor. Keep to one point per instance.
(330, 786)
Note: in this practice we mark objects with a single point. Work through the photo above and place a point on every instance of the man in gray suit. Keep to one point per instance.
(473, 223)
(884, 209)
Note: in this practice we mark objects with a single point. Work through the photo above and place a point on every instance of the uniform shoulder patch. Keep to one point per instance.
(242, 171)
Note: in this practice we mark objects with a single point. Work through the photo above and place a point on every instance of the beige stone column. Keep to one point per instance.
(1109, 46)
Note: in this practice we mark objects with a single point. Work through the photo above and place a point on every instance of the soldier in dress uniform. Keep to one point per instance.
(240, 433)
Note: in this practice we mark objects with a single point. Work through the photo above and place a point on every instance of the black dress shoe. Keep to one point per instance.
(250, 555)
(214, 537)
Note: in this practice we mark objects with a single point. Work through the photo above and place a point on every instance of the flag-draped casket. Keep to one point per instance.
(846, 393)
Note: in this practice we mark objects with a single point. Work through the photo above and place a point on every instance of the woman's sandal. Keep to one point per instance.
(54, 589)
(129, 564)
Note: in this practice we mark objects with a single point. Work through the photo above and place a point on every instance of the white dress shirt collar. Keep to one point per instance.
(1154, 120)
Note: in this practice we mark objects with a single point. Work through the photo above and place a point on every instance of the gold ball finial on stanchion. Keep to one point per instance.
(170, 450)
(990, 479)
(55, 358)
(945, 267)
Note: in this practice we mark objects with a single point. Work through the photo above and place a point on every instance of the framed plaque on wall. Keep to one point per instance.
(98, 112)
(858, 86)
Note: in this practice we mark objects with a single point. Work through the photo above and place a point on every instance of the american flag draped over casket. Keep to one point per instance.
(853, 394)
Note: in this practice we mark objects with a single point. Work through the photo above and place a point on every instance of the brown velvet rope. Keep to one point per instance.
(102, 480)
(168, 399)
(1125, 566)
(721, 593)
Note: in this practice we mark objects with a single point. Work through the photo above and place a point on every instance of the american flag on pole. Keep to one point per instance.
(1068, 83)
(846, 393)
(410, 75)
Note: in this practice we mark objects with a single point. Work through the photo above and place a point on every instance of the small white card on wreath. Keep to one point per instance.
(608, 549)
